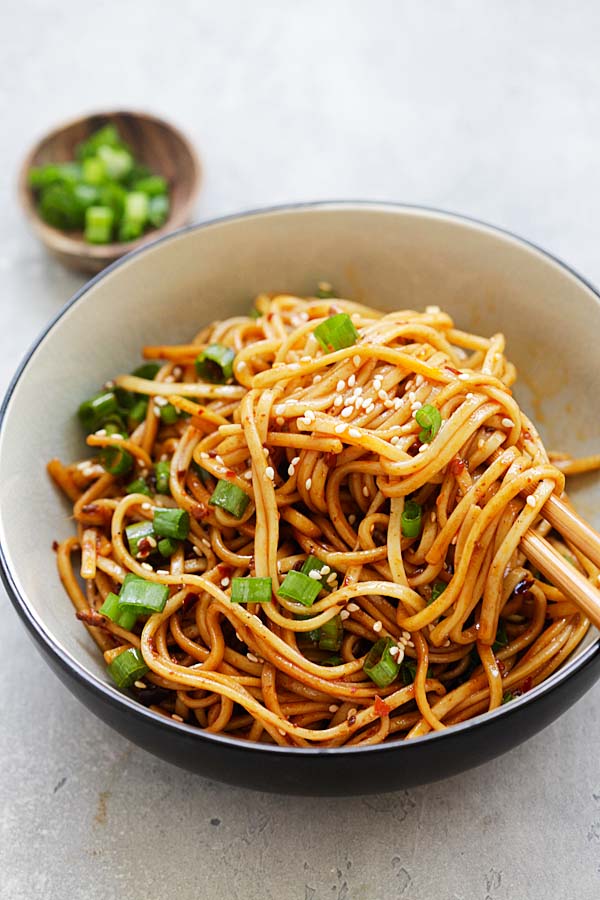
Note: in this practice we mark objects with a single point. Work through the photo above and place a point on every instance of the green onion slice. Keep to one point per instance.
(332, 661)
(127, 668)
(331, 634)
(251, 590)
(167, 546)
(438, 588)
(430, 419)
(126, 618)
(162, 471)
(115, 460)
(408, 671)
(136, 533)
(230, 497)
(149, 371)
(172, 523)
(411, 519)
(168, 414)
(138, 486)
(215, 364)
(145, 597)
(336, 332)
(314, 564)
(380, 665)
(501, 636)
(300, 587)
(95, 411)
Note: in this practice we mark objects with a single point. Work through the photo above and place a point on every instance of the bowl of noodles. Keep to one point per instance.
(277, 472)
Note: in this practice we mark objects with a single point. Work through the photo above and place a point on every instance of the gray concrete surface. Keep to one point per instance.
(487, 108)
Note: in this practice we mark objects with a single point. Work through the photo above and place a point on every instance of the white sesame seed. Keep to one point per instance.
(354, 432)
(340, 386)
(531, 501)
(306, 359)
(463, 376)
(317, 379)
(295, 460)
(146, 506)
(344, 614)
(225, 582)
(177, 371)
(352, 380)
(160, 401)
(423, 448)
(469, 396)
(331, 578)
(162, 572)
(325, 570)
(308, 484)
(205, 542)
(394, 651)
(280, 409)
(248, 475)
(338, 400)
(151, 541)
(480, 443)
(394, 440)
(204, 455)
(339, 429)
(352, 607)
(382, 394)
(309, 416)
(293, 367)
(140, 684)
(333, 708)
(419, 380)
(251, 657)
(397, 403)
(270, 472)
(406, 635)
(357, 391)
(433, 516)
(147, 566)
(365, 491)
(369, 409)
(347, 411)
(508, 423)
(377, 626)
(176, 717)
(314, 574)
(350, 713)
(291, 470)
(356, 360)
(280, 421)
(433, 310)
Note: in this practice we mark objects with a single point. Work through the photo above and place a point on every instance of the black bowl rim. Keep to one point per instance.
(114, 698)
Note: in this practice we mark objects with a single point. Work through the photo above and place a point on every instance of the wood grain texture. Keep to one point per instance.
(154, 142)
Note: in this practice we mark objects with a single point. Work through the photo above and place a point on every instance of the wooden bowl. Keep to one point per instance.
(154, 142)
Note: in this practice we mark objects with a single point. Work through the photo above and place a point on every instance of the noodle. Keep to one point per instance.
(330, 452)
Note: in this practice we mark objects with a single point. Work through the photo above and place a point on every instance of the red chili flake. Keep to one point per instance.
(152, 646)
(212, 453)
(144, 548)
(451, 369)
(381, 707)
(527, 684)
(230, 473)
(224, 570)
(55, 546)
(346, 581)
(501, 666)
(199, 511)
(457, 466)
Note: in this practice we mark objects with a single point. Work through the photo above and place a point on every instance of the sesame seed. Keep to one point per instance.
(291, 470)
(270, 472)
(400, 655)
(531, 501)
(454, 539)
(204, 455)
(340, 386)
(308, 484)
(197, 550)
(354, 432)
(151, 541)
(347, 411)
(331, 578)
(463, 376)
(205, 541)
(406, 635)
(433, 310)
(146, 506)
(309, 416)
(377, 626)
(162, 572)
(394, 651)
(147, 566)
(339, 429)
(357, 391)
(161, 401)
(352, 380)
(350, 713)
(352, 607)
(325, 570)
(352, 519)
(338, 400)
(317, 379)
(433, 517)
(306, 359)
(356, 360)
(382, 394)
(469, 396)
(177, 371)
(422, 448)
(101, 432)
(176, 717)
(369, 409)
(251, 657)
(140, 684)
(280, 421)
(333, 708)
(397, 403)
(225, 582)
(293, 367)
(344, 615)
(314, 574)
(280, 409)
(394, 440)
(365, 491)
(508, 423)
(248, 475)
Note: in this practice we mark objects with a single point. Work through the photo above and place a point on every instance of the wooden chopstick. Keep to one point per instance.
(573, 527)
(562, 574)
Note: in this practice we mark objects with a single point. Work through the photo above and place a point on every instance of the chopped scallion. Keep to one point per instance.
(430, 419)
(314, 564)
(138, 486)
(125, 618)
(331, 634)
(336, 332)
(98, 224)
(144, 597)
(501, 636)
(148, 370)
(215, 363)
(136, 533)
(162, 471)
(127, 668)
(299, 587)
(172, 523)
(438, 588)
(251, 590)
(138, 411)
(411, 519)
(168, 414)
(231, 498)
(95, 411)
(380, 665)
(167, 547)
(115, 460)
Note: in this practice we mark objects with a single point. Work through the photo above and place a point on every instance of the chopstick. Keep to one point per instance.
(570, 525)
(562, 574)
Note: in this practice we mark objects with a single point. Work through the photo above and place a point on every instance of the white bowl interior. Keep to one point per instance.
(390, 257)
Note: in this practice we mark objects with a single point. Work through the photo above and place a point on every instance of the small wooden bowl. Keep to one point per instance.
(154, 142)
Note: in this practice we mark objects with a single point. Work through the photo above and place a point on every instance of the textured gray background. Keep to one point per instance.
(486, 108)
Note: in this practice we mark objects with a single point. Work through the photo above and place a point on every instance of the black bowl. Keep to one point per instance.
(386, 255)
